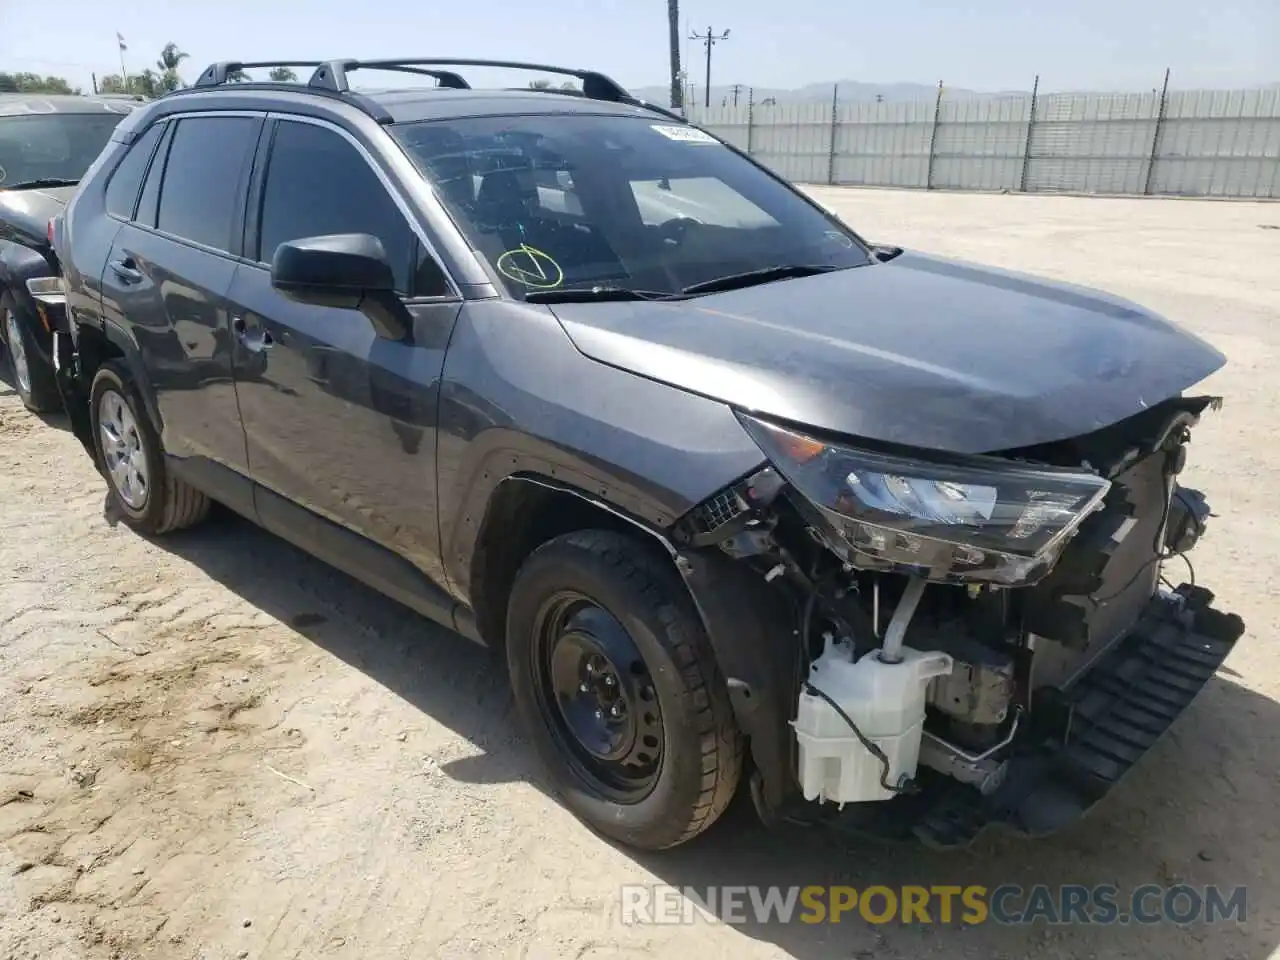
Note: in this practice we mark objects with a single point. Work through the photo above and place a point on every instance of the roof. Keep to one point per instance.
(21, 104)
(407, 105)
(437, 103)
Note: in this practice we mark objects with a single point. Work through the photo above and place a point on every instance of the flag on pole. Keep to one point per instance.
(121, 39)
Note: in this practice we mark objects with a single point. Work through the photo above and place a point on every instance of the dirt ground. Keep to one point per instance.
(214, 746)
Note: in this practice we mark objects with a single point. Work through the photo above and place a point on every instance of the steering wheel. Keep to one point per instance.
(675, 229)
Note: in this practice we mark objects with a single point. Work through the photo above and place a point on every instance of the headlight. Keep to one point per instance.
(962, 519)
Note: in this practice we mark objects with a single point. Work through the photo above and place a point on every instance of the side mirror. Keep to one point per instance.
(884, 253)
(348, 270)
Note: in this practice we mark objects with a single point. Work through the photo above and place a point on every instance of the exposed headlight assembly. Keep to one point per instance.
(961, 519)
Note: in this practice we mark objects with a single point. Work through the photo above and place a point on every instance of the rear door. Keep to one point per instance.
(338, 420)
(166, 282)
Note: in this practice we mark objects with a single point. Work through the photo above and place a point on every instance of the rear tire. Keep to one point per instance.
(148, 498)
(33, 378)
(627, 632)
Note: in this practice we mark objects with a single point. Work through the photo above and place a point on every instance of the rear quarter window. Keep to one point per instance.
(126, 180)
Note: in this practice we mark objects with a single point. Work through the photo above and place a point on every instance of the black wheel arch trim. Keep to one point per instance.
(752, 634)
(18, 264)
(119, 338)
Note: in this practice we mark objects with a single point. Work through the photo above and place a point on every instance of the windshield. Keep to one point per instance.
(52, 146)
(571, 202)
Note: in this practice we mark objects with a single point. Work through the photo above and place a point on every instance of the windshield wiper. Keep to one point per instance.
(735, 281)
(596, 295)
(41, 182)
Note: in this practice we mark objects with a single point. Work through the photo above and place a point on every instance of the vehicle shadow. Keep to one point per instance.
(1199, 810)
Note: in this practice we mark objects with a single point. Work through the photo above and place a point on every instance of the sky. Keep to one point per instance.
(993, 45)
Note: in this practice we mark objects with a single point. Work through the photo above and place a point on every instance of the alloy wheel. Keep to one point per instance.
(123, 450)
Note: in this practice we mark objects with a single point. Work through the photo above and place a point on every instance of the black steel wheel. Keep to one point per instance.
(615, 679)
(596, 694)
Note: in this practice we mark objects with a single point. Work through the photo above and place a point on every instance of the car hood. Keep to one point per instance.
(920, 351)
(24, 214)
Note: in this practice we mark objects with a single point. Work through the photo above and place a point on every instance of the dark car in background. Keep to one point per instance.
(740, 496)
(47, 142)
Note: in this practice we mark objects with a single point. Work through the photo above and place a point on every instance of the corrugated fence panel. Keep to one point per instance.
(1216, 143)
(980, 143)
(1213, 143)
(883, 144)
(1092, 143)
(793, 140)
(729, 123)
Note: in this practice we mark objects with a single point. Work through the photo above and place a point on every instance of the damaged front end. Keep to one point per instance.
(949, 642)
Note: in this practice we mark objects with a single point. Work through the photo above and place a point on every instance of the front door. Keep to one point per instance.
(338, 420)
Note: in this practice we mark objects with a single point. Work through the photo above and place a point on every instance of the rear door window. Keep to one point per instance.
(203, 176)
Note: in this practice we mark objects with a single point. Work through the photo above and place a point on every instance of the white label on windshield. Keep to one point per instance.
(685, 134)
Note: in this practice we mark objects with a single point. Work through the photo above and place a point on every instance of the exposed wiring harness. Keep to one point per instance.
(1160, 555)
(806, 625)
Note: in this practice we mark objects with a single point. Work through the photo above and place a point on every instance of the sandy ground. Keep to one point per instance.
(214, 746)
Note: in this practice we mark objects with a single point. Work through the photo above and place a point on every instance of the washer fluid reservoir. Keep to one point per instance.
(885, 700)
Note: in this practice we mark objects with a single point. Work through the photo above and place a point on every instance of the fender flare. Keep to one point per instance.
(18, 264)
(753, 636)
(120, 339)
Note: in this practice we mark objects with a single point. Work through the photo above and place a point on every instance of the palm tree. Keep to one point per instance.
(170, 59)
(283, 75)
(673, 31)
(238, 76)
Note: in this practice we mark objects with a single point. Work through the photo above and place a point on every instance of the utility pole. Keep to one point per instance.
(737, 89)
(673, 36)
(709, 39)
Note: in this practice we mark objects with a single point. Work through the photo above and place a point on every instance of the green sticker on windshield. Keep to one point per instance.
(529, 266)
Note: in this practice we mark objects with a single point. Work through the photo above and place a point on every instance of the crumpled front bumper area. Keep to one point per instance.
(1113, 715)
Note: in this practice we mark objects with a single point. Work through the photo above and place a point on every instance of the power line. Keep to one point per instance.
(710, 39)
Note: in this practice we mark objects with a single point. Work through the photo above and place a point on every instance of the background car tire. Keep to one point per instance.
(701, 756)
(40, 393)
(169, 503)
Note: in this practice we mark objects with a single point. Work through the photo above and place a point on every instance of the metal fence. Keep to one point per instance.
(1207, 143)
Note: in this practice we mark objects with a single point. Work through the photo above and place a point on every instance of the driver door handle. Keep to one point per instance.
(126, 269)
(255, 341)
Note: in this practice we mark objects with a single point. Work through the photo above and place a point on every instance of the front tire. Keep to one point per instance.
(33, 378)
(148, 498)
(615, 679)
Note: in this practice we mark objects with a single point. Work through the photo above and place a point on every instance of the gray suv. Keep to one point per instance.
(740, 496)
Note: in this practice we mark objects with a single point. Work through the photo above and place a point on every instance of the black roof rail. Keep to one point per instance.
(595, 85)
(329, 77)
(333, 75)
(371, 107)
(216, 74)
